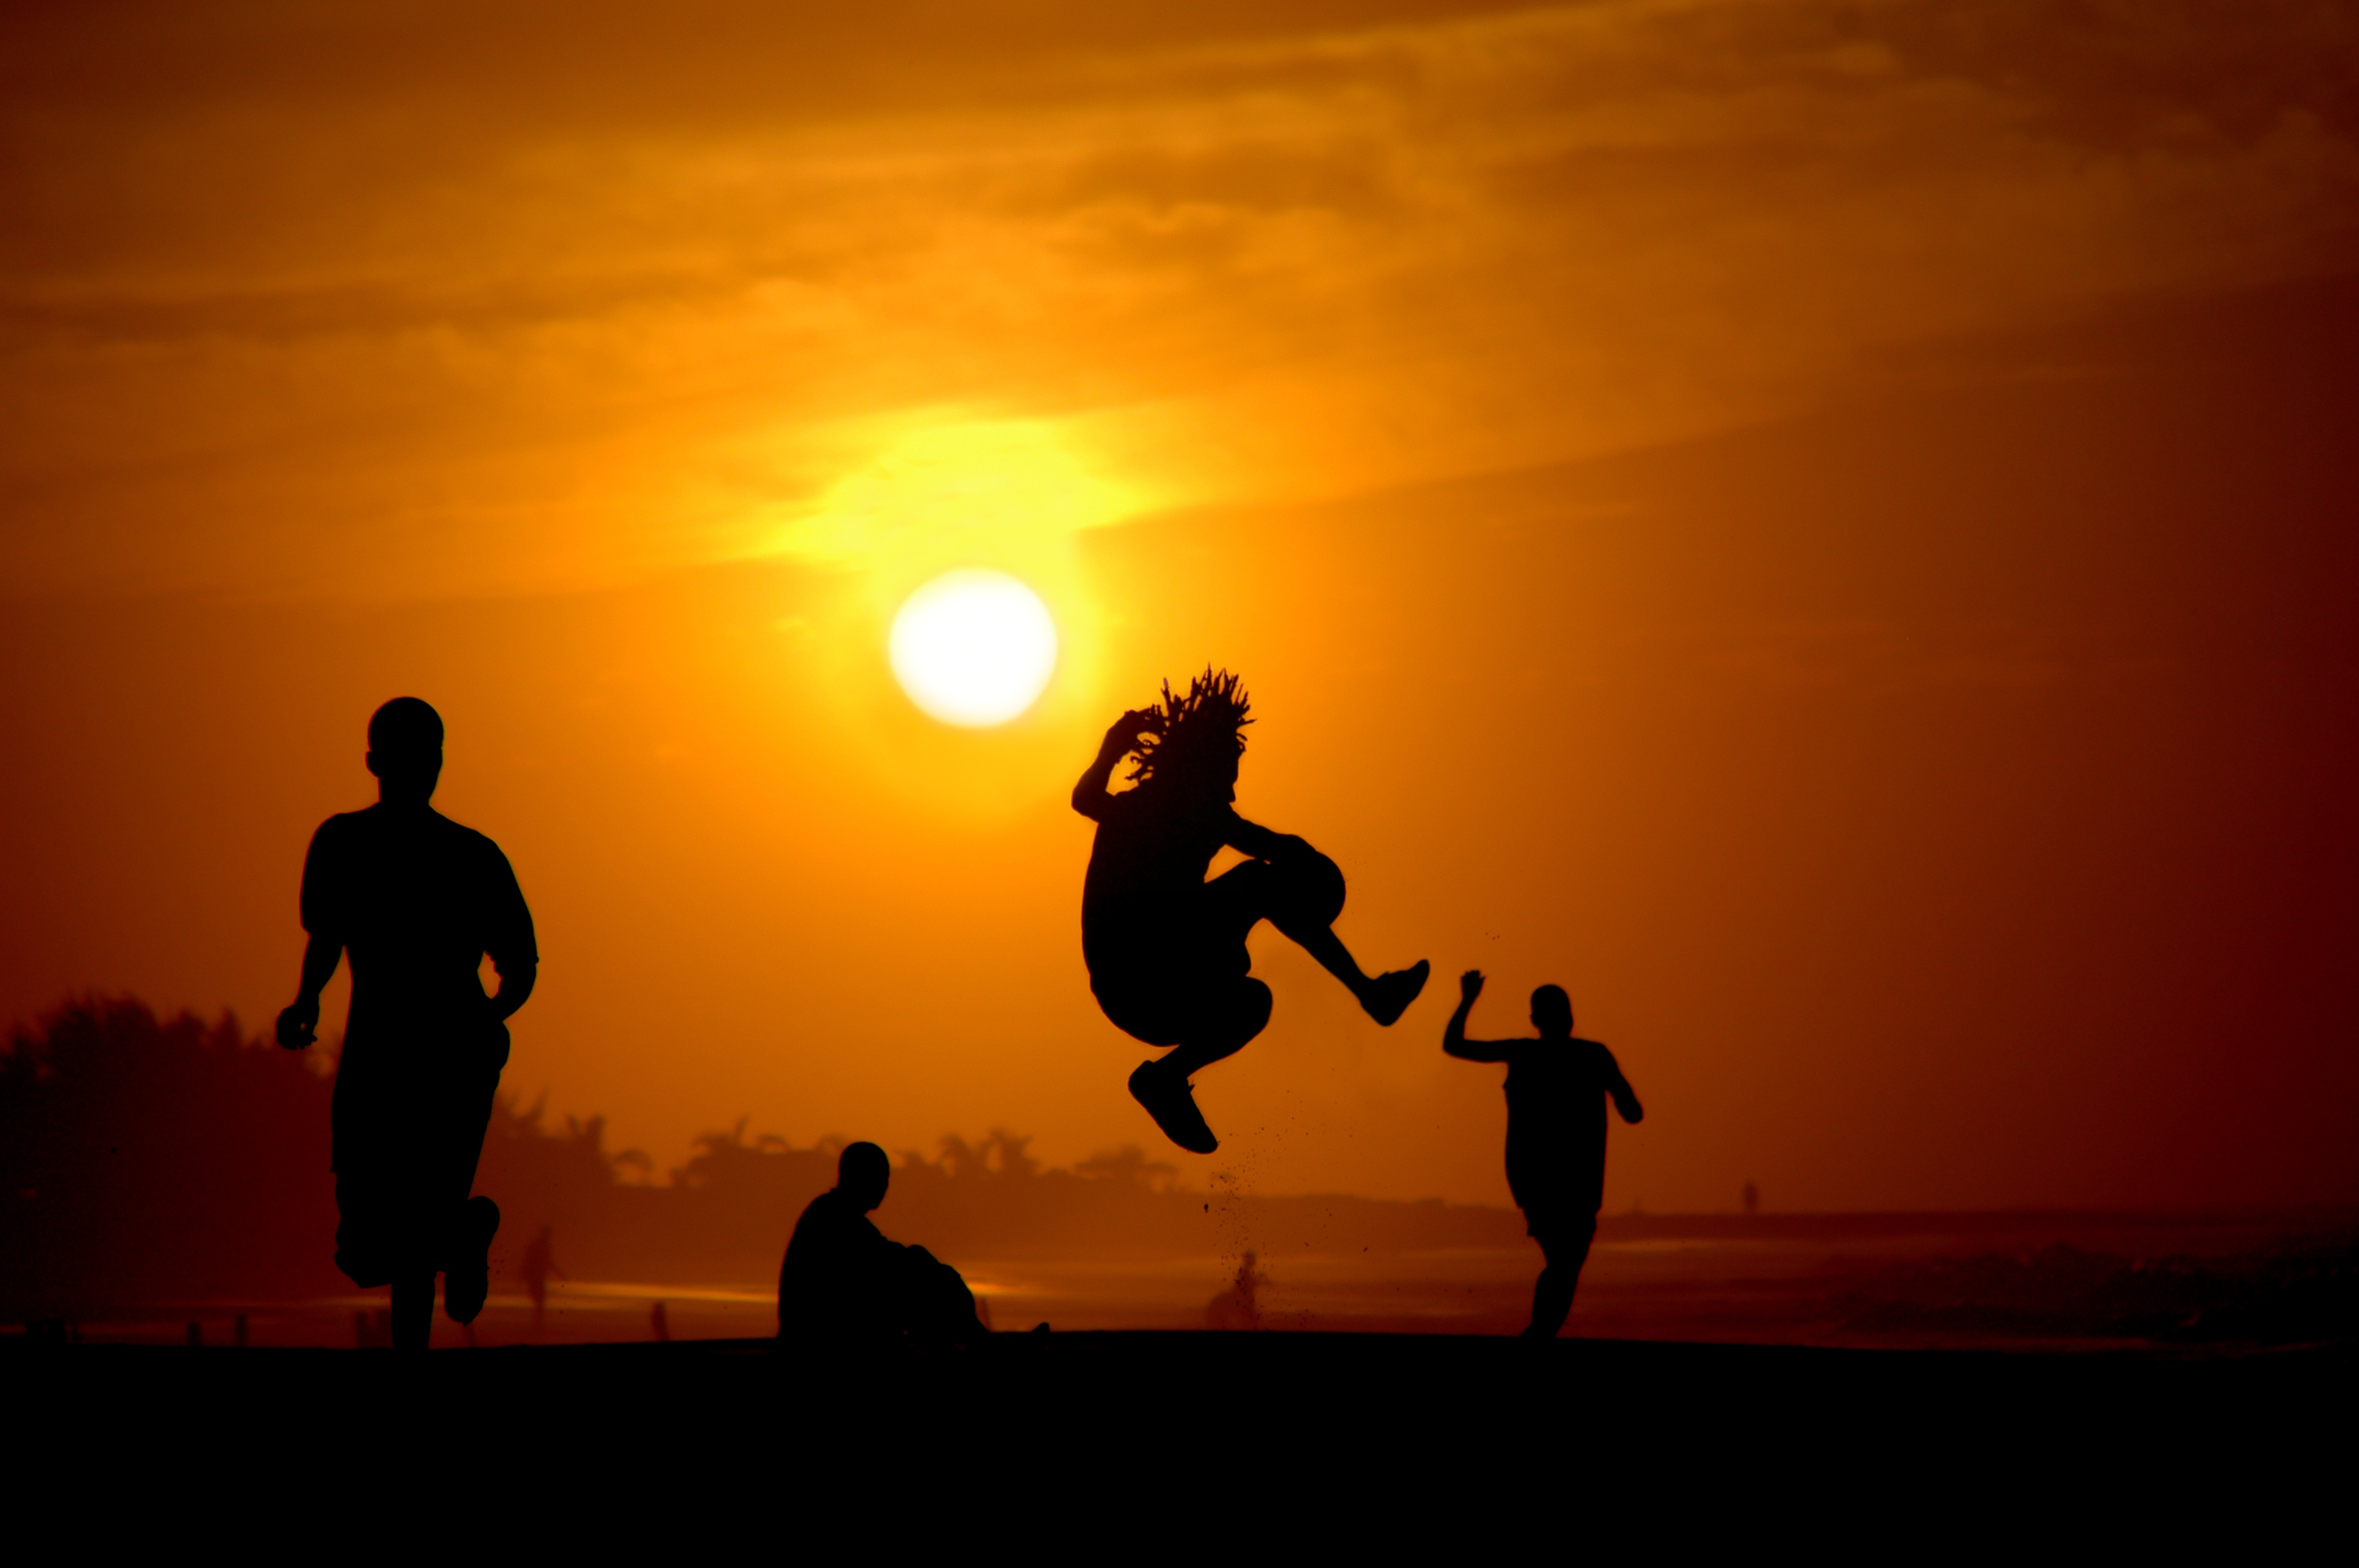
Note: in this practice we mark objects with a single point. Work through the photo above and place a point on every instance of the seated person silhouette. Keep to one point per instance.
(844, 1285)
(1556, 1089)
(1165, 948)
(418, 902)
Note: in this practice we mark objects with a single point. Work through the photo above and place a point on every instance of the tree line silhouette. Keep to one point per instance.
(149, 1159)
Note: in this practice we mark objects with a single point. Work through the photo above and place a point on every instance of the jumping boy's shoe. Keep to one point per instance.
(467, 1276)
(1390, 993)
(1165, 1095)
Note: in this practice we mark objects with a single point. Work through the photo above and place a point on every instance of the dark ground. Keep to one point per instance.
(1130, 1443)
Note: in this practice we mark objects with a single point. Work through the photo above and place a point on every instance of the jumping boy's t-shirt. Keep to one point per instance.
(1148, 861)
(1556, 1127)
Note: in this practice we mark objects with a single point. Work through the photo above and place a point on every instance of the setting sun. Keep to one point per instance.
(974, 647)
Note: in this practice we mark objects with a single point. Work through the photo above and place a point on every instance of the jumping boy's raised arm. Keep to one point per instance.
(1090, 793)
(1453, 1036)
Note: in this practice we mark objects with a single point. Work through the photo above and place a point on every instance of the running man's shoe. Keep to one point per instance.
(1166, 1096)
(467, 1273)
(1390, 993)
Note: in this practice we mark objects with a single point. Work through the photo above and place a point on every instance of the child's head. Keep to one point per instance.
(1201, 739)
(1552, 1011)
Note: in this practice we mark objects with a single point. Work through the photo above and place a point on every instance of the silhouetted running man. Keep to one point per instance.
(539, 1263)
(418, 901)
(1165, 948)
(844, 1286)
(1556, 1089)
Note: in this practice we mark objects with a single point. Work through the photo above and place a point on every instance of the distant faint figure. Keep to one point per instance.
(539, 1263)
(418, 902)
(845, 1285)
(1237, 1306)
(372, 1330)
(1752, 1199)
(660, 1323)
(1166, 949)
(1556, 1089)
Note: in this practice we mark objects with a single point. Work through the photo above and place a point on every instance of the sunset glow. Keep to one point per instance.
(1823, 529)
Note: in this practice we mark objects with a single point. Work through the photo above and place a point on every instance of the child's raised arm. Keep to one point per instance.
(1453, 1035)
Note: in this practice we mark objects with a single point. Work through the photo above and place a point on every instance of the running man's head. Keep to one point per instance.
(406, 751)
(1196, 748)
(1552, 1012)
(862, 1174)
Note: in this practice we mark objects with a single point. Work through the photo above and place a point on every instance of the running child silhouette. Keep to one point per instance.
(1556, 1089)
(1165, 948)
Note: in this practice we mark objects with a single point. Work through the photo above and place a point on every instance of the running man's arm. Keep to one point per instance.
(517, 977)
(509, 943)
(299, 1025)
(1453, 1035)
(1090, 794)
(324, 917)
(1624, 1099)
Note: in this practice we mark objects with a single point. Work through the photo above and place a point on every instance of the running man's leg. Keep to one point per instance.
(467, 1258)
(463, 1226)
(1566, 1249)
(413, 1311)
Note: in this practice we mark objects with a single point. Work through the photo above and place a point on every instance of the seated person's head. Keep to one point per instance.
(862, 1174)
(406, 747)
(1552, 1012)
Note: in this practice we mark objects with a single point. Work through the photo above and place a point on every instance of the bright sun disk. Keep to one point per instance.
(974, 647)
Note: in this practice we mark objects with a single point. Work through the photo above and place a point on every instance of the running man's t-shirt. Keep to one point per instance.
(417, 900)
(1556, 1125)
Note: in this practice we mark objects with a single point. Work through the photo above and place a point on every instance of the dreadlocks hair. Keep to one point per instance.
(1210, 720)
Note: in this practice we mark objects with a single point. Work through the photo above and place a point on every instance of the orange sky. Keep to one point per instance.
(1825, 528)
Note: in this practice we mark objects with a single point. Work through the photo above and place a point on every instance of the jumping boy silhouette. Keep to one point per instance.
(1165, 948)
(418, 901)
(1556, 1089)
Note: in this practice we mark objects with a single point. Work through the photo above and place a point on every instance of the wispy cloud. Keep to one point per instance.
(410, 299)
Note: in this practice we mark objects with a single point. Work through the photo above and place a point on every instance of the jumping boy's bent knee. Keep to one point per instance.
(1306, 889)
